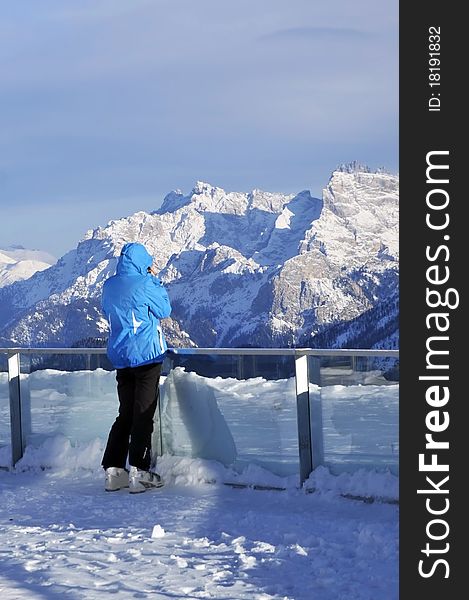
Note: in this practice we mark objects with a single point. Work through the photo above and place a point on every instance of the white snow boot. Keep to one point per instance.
(116, 479)
(141, 481)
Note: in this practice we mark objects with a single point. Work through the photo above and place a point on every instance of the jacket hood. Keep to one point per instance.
(134, 260)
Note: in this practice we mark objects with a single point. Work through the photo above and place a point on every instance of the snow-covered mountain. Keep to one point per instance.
(242, 269)
(18, 263)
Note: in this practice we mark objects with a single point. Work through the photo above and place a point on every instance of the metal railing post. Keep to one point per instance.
(17, 442)
(303, 417)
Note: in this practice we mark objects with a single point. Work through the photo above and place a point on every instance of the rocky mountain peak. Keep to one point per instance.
(256, 268)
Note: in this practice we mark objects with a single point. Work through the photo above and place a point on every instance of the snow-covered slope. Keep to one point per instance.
(18, 263)
(256, 268)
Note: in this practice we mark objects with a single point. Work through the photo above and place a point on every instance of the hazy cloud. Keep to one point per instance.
(317, 34)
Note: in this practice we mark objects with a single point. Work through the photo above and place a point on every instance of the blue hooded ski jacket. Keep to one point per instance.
(133, 302)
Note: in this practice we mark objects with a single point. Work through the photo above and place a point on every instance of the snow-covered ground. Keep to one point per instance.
(62, 535)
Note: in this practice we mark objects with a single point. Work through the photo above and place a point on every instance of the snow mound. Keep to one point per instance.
(58, 455)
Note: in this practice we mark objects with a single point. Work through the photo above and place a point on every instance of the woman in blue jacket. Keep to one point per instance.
(134, 301)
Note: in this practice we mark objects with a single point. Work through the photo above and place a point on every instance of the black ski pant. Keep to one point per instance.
(138, 391)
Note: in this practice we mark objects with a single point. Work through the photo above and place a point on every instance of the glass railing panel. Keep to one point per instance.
(355, 412)
(238, 410)
(66, 395)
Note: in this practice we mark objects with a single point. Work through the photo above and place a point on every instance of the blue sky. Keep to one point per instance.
(107, 105)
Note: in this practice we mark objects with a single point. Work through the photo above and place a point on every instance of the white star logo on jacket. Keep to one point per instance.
(135, 322)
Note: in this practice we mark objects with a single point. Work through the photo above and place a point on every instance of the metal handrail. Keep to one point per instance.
(222, 351)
